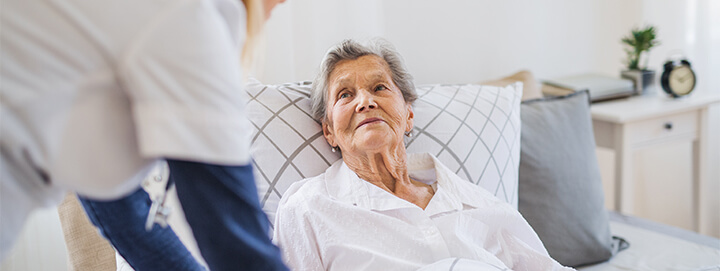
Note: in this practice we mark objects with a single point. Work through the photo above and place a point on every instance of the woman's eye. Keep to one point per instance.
(344, 95)
(380, 87)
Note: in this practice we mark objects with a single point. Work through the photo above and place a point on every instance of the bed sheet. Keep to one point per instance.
(653, 251)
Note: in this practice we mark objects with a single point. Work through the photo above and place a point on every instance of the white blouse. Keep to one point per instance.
(337, 221)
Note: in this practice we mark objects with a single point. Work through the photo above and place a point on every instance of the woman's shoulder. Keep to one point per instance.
(466, 190)
(302, 192)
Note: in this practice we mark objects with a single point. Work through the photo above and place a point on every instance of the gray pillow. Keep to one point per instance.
(560, 191)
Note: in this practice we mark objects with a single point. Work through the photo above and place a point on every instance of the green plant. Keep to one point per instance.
(639, 41)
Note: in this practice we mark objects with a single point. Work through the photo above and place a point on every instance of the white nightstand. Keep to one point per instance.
(660, 147)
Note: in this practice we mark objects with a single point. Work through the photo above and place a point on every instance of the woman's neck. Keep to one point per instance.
(388, 170)
(384, 169)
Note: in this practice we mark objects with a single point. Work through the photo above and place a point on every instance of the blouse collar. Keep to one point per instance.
(345, 186)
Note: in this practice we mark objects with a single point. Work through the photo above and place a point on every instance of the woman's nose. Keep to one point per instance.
(365, 102)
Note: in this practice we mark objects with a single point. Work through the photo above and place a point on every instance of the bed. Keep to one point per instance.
(655, 246)
(288, 146)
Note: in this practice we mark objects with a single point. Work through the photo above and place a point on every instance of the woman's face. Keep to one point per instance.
(366, 111)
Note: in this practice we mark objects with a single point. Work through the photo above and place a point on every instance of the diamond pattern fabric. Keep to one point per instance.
(474, 130)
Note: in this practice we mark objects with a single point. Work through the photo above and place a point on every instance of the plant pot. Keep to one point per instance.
(643, 79)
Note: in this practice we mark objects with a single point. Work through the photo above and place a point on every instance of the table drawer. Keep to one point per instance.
(683, 124)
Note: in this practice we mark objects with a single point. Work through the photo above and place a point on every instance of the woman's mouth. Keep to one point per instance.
(368, 121)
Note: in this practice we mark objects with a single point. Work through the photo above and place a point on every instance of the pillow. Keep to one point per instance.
(560, 188)
(474, 130)
(531, 88)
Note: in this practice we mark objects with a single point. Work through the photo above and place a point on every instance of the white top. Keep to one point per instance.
(337, 221)
(93, 91)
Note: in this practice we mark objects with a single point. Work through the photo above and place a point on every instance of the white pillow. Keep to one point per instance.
(474, 130)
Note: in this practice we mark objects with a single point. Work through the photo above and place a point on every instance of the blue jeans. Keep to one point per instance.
(122, 222)
(222, 207)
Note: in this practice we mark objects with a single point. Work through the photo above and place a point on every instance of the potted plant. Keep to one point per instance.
(637, 45)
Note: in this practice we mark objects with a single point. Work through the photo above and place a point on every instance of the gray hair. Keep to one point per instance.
(350, 50)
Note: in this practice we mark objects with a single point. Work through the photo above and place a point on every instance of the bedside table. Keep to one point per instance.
(660, 150)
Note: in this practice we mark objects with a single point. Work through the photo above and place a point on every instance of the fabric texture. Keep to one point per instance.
(474, 130)
(87, 250)
(337, 221)
(560, 187)
(461, 264)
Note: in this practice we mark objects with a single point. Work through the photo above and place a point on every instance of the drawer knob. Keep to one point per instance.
(668, 126)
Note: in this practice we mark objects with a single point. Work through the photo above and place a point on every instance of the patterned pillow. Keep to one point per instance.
(474, 130)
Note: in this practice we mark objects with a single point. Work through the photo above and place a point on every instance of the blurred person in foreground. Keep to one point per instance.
(94, 93)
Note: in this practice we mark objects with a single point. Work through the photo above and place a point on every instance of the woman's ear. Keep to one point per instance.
(410, 118)
(328, 134)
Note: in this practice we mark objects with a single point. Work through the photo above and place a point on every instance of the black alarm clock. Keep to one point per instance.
(678, 78)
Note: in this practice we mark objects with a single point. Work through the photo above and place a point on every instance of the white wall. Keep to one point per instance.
(460, 41)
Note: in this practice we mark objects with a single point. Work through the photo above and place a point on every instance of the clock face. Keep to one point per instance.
(681, 80)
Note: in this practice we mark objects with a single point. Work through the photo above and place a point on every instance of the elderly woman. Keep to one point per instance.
(379, 208)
